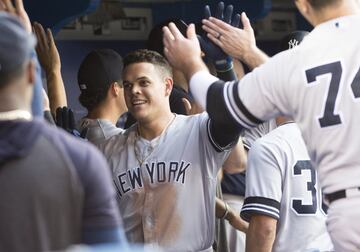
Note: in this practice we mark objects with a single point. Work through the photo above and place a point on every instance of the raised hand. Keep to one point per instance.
(46, 50)
(17, 10)
(183, 53)
(49, 59)
(236, 42)
(213, 51)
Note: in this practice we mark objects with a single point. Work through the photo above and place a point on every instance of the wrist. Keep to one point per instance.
(254, 57)
(225, 215)
(193, 67)
(52, 72)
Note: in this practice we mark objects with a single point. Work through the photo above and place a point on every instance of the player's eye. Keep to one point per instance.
(127, 85)
(144, 83)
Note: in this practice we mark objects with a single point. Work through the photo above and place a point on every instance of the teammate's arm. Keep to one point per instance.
(224, 211)
(50, 62)
(236, 161)
(263, 195)
(261, 234)
(261, 90)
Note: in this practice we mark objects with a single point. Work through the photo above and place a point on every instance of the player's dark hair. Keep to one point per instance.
(148, 56)
(7, 77)
(319, 4)
(91, 101)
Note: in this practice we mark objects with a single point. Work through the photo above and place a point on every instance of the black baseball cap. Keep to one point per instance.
(176, 104)
(99, 69)
(292, 39)
(155, 38)
(16, 44)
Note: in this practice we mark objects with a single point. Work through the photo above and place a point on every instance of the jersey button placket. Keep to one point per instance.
(148, 219)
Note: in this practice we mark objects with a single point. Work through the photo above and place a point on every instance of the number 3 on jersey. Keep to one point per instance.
(297, 204)
(335, 69)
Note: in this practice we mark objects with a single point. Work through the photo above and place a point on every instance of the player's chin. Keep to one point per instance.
(138, 114)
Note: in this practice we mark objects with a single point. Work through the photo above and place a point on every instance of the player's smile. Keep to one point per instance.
(137, 102)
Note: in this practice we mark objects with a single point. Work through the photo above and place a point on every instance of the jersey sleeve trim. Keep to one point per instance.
(213, 142)
(260, 205)
(236, 107)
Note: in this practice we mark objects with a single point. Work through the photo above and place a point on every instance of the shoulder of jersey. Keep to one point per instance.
(274, 138)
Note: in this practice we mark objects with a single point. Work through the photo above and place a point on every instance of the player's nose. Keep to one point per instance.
(135, 89)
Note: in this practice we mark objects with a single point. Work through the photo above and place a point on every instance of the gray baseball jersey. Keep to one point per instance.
(281, 183)
(249, 136)
(169, 200)
(98, 129)
(317, 84)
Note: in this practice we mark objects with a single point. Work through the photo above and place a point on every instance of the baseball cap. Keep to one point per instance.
(292, 40)
(99, 69)
(176, 104)
(16, 44)
(155, 38)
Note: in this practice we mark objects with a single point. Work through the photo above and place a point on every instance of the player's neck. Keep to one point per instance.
(154, 128)
(12, 101)
(345, 8)
(110, 113)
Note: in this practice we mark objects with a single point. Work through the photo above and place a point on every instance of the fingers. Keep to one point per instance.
(58, 116)
(215, 40)
(41, 36)
(71, 119)
(65, 117)
(217, 24)
(211, 29)
(9, 7)
(191, 32)
(50, 37)
(2, 6)
(207, 12)
(228, 14)
(246, 22)
(167, 36)
(236, 21)
(19, 5)
(220, 10)
(175, 31)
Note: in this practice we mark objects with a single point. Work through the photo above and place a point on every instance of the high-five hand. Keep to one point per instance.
(183, 53)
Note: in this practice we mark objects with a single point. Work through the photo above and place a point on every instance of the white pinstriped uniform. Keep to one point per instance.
(281, 183)
(318, 85)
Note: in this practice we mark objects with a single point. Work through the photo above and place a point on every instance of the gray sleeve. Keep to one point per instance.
(263, 182)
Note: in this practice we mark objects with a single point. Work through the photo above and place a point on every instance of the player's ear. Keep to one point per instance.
(187, 105)
(30, 70)
(116, 89)
(302, 5)
(168, 86)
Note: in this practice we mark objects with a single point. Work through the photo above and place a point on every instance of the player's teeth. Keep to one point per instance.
(138, 102)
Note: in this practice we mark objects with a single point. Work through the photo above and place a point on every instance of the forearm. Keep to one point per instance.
(260, 236)
(237, 160)
(222, 210)
(219, 208)
(56, 90)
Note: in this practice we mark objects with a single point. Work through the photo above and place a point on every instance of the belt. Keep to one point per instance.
(342, 194)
